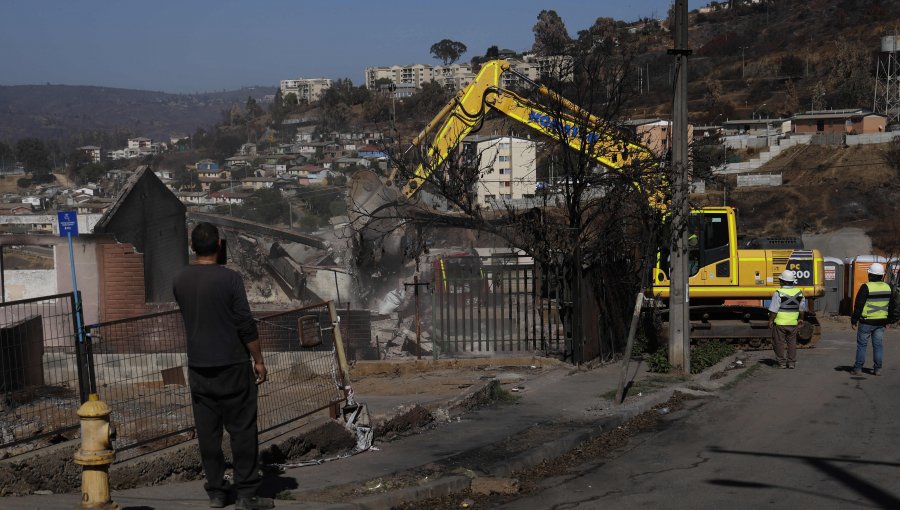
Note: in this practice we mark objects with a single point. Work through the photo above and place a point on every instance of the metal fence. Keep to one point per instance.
(496, 305)
(39, 372)
(139, 368)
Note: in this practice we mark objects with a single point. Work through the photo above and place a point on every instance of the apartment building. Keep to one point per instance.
(91, 151)
(507, 166)
(458, 76)
(414, 74)
(306, 89)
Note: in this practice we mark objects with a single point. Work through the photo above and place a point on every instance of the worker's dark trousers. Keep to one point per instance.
(226, 396)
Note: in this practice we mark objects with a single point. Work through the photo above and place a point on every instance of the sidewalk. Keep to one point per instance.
(556, 406)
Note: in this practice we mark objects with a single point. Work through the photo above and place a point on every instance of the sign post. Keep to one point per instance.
(68, 227)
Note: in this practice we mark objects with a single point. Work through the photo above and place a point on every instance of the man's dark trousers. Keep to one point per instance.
(226, 396)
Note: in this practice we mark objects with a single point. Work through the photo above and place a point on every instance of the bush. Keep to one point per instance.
(703, 356)
(659, 361)
(708, 354)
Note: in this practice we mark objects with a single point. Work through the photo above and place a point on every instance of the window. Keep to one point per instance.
(507, 184)
(506, 171)
(503, 158)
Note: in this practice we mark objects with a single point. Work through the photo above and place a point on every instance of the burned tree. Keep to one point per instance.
(594, 230)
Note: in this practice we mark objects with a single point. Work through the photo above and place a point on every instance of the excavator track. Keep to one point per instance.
(744, 327)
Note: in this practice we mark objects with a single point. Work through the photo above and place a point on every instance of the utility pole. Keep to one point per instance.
(679, 303)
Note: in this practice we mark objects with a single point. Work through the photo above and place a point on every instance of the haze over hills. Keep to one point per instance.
(60, 111)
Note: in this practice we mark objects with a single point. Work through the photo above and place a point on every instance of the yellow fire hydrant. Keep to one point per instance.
(96, 455)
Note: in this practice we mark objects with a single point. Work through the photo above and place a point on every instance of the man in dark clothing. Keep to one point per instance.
(870, 310)
(221, 339)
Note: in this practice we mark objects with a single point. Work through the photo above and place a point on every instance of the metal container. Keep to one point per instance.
(890, 43)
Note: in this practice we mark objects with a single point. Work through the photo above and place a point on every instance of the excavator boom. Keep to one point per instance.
(466, 110)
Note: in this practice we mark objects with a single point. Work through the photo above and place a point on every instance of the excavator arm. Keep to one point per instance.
(464, 112)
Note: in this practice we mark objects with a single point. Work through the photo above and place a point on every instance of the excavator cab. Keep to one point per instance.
(711, 250)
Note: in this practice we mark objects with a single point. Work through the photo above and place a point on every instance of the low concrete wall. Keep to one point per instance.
(29, 283)
(872, 138)
(758, 180)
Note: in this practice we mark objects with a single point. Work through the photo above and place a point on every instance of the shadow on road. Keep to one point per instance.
(878, 496)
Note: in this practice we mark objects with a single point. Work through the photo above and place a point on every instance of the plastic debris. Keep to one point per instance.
(467, 503)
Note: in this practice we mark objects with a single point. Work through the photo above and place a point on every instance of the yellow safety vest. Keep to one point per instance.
(789, 310)
(876, 306)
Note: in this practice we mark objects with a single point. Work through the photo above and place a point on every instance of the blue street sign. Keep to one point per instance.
(68, 223)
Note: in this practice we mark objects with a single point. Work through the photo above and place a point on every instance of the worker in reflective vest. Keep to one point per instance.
(870, 311)
(786, 313)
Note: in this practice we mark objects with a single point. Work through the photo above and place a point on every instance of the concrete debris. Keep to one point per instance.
(391, 302)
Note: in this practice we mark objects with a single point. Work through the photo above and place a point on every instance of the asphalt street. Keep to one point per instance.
(814, 437)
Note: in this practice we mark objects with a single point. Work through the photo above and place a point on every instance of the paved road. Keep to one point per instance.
(815, 437)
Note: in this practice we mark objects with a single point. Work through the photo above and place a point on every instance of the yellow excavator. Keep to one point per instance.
(728, 286)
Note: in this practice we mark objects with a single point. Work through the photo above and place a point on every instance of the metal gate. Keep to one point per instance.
(496, 306)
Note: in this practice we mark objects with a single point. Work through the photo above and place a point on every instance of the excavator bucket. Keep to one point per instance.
(372, 209)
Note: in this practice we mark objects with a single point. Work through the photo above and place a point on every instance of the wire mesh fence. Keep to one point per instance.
(39, 372)
(139, 367)
(302, 379)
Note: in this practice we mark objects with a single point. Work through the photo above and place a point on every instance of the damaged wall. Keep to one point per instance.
(148, 216)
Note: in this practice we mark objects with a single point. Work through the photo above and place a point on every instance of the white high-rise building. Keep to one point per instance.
(507, 166)
(306, 89)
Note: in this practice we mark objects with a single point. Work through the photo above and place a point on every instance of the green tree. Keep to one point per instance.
(430, 98)
(7, 155)
(448, 51)
(253, 109)
(91, 172)
(224, 146)
(265, 206)
(319, 203)
(34, 154)
(492, 53)
(276, 110)
(291, 99)
(550, 34)
(184, 180)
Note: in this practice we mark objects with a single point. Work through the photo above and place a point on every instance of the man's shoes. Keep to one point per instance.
(857, 371)
(218, 501)
(254, 503)
(791, 366)
(782, 365)
(876, 371)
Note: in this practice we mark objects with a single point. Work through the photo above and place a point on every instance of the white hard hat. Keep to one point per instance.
(788, 276)
(876, 269)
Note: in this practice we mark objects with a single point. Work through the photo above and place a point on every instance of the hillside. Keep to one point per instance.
(773, 59)
(824, 189)
(60, 111)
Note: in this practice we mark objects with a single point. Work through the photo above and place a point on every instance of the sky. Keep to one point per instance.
(189, 46)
